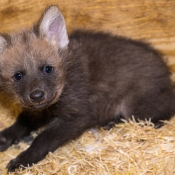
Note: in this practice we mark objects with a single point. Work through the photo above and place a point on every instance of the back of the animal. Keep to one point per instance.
(126, 78)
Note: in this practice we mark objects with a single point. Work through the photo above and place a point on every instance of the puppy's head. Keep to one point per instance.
(33, 63)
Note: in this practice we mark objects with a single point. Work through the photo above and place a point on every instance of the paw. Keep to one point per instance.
(109, 125)
(5, 142)
(22, 160)
(13, 164)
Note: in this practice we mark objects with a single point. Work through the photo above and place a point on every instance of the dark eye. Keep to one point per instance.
(48, 69)
(17, 76)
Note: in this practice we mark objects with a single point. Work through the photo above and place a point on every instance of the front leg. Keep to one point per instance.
(57, 133)
(15, 132)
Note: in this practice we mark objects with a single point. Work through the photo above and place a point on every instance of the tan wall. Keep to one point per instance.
(149, 20)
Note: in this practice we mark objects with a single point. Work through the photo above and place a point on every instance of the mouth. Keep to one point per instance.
(41, 106)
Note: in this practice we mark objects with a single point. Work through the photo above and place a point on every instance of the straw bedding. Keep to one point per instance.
(129, 148)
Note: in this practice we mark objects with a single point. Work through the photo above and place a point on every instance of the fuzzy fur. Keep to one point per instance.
(96, 79)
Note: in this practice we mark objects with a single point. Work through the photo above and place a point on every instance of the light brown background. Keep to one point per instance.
(149, 20)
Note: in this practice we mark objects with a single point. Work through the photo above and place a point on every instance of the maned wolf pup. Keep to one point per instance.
(73, 83)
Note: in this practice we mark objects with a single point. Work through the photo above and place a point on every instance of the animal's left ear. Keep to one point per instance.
(3, 44)
(53, 28)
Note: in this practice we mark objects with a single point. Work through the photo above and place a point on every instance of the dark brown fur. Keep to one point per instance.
(96, 79)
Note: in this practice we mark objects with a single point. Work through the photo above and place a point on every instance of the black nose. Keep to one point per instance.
(37, 96)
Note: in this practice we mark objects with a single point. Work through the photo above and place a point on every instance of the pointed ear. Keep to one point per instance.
(53, 28)
(3, 44)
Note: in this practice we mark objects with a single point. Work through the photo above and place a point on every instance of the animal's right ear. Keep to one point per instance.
(3, 44)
